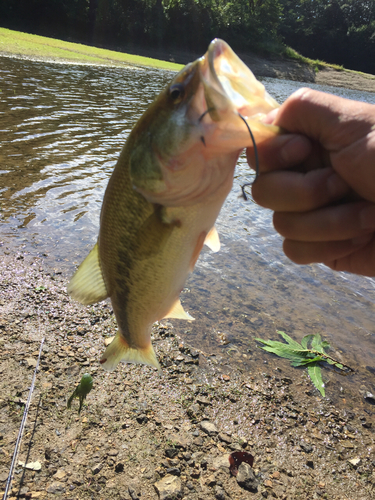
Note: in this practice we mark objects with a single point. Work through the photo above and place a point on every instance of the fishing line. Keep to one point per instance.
(204, 114)
(256, 158)
(22, 426)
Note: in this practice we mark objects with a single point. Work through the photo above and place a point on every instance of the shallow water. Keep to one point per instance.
(61, 131)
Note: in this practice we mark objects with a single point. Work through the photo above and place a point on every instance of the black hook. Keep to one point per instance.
(256, 159)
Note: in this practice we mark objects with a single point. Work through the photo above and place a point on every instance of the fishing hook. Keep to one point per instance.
(256, 158)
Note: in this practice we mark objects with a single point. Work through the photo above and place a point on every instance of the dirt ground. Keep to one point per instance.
(142, 435)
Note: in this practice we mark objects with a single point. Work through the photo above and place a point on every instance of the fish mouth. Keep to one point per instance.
(230, 86)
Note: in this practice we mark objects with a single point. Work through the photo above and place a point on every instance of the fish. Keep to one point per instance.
(165, 193)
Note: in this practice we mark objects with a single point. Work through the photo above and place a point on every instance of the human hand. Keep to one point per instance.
(319, 179)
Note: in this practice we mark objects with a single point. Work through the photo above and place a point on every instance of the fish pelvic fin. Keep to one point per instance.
(119, 351)
(177, 311)
(212, 240)
(87, 285)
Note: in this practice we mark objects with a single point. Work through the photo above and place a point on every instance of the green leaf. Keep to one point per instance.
(316, 342)
(290, 341)
(307, 361)
(306, 340)
(315, 374)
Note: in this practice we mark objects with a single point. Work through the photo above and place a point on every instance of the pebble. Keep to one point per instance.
(169, 488)
(246, 478)
(355, 462)
(208, 427)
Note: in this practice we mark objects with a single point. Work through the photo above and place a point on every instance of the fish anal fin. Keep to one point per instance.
(177, 311)
(119, 351)
(87, 285)
(212, 240)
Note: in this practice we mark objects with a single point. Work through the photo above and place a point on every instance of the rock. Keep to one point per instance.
(179, 440)
(97, 468)
(119, 468)
(246, 478)
(220, 493)
(112, 453)
(355, 462)
(56, 487)
(307, 448)
(60, 474)
(31, 362)
(211, 481)
(133, 494)
(225, 438)
(208, 427)
(174, 471)
(169, 488)
(369, 398)
(221, 462)
(171, 452)
(142, 419)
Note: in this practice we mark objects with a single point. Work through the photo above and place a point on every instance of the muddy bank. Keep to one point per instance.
(144, 435)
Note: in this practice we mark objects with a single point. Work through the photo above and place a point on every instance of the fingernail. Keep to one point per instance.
(336, 186)
(367, 217)
(295, 150)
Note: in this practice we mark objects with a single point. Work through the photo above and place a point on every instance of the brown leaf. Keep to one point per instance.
(236, 458)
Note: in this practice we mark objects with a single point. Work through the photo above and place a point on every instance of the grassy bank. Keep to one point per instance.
(15, 43)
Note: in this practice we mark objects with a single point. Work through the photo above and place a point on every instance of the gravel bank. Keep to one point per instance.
(145, 436)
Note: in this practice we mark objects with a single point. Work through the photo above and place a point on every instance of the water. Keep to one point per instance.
(61, 131)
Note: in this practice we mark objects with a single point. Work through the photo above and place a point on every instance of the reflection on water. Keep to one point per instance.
(62, 129)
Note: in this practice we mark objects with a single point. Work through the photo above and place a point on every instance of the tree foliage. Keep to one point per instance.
(338, 31)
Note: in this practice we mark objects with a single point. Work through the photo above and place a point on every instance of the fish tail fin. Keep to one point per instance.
(118, 350)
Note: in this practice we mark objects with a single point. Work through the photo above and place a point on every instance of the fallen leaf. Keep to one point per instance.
(237, 458)
(31, 465)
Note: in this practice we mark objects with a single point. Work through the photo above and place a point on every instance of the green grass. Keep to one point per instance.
(16, 43)
(315, 63)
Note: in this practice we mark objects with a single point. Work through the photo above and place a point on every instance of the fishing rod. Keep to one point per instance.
(22, 426)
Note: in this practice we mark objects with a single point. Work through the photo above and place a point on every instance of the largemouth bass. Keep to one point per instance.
(164, 196)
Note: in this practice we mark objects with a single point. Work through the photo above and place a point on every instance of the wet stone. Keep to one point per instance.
(246, 478)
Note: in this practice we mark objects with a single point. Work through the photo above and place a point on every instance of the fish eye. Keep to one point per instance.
(177, 91)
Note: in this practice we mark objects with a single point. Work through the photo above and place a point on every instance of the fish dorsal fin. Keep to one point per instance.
(177, 311)
(212, 240)
(87, 285)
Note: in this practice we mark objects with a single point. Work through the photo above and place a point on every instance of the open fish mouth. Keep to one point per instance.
(231, 86)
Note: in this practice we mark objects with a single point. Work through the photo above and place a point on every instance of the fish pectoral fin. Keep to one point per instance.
(87, 285)
(119, 351)
(177, 311)
(153, 234)
(212, 240)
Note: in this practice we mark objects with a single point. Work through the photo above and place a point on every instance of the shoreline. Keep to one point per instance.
(161, 437)
(42, 49)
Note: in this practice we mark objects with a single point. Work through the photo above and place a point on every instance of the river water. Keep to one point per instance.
(61, 131)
